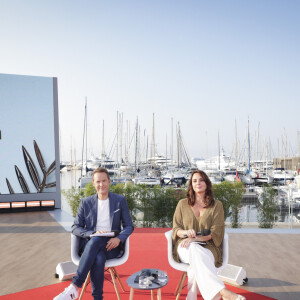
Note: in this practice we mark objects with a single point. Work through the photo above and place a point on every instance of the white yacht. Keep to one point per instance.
(174, 177)
(281, 176)
(150, 181)
(230, 174)
(221, 162)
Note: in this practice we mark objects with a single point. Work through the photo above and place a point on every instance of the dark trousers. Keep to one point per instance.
(93, 258)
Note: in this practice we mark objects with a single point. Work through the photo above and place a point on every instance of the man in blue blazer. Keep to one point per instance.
(99, 213)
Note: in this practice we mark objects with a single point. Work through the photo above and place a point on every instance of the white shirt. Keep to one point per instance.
(103, 220)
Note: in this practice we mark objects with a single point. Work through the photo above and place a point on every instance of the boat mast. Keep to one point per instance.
(121, 137)
(166, 151)
(219, 163)
(136, 144)
(285, 149)
(84, 134)
(71, 150)
(127, 145)
(248, 148)
(257, 146)
(182, 150)
(86, 169)
(298, 139)
(146, 151)
(236, 147)
(178, 146)
(117, 146)
(153, 147)
(172, 141)
(103, 150)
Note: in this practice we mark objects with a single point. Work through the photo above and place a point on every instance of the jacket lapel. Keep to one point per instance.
(111, 208)
(95, 211)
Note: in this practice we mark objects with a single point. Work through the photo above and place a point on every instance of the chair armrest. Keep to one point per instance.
(114, 262)
(74, 249)
(174, 264)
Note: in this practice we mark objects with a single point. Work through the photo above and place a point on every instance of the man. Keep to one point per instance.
(99, 213)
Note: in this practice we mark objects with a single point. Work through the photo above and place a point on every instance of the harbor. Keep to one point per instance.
(286, 212)
(136, 159)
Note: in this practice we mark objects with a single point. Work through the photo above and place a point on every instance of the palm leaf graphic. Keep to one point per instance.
(43, 168)
(51, 184)
(51, 168)
(39, 157)
(11, 191)
(33, 172)
(22, 181)
(31, 168)
(41, 161)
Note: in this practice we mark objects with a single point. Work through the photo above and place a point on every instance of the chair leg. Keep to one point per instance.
(179, 282)
(177, 287)
(118, 278)
(181, 285)
(114, 274)
(114, 283)
(87, 280)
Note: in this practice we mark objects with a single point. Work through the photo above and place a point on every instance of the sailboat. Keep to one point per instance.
(151, 179)
(246, 178)
(87, 178)
(178, 174)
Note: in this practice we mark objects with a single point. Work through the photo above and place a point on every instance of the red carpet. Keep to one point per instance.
(147, 250)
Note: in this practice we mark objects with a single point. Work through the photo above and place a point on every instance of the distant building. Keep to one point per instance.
(288, 163)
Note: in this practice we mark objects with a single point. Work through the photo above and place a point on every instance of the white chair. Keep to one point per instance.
(183, 267)
(110, 264)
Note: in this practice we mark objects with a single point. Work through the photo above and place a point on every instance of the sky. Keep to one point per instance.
(208, 65)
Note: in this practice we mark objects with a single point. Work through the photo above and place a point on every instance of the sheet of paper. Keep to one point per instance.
(103, 234)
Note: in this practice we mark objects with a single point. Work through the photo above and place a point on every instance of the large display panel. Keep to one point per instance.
(29, 141)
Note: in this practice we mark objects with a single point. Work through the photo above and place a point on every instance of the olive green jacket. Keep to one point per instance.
(213, 219)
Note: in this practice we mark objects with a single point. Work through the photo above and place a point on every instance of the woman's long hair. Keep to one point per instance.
(208, 197)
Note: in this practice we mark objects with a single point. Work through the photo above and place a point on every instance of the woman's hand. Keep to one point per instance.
(190, 233)
(186, 242)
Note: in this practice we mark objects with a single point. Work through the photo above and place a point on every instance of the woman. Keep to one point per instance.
(197, 212)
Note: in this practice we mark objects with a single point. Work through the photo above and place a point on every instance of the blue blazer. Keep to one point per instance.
(86, 218)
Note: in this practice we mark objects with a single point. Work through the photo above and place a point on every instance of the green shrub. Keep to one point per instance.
(164, 204)
(237, 195)
(129, 191)
(266, 211)
(155, 207)
(74, 197)
(230, 194)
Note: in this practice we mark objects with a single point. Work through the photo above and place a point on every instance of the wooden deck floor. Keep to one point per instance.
(33, 243)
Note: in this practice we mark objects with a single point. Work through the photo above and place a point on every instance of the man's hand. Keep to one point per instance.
(101, 231)
(113, 243)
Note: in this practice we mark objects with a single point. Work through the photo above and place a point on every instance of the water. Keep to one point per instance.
(67, 180)
(248, 213)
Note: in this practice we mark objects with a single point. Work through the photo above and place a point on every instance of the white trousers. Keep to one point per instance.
(202, 273)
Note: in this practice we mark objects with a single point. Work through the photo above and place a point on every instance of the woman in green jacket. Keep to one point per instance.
(197, 213)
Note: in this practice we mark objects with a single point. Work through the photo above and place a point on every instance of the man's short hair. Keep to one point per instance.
(100, 170)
